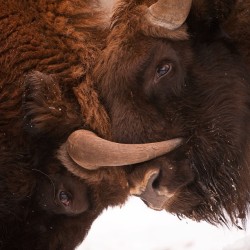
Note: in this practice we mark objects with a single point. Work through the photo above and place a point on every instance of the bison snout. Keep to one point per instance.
(159, 186)
(155, 198)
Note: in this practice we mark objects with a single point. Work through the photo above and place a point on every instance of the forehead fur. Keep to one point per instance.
(129, 18)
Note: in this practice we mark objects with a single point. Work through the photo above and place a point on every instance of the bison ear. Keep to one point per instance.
(44, 111)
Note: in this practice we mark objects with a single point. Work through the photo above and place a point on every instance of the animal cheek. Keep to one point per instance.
(78, 205)
(174, 176)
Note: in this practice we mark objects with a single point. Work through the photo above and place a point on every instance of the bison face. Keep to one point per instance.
(159, 86)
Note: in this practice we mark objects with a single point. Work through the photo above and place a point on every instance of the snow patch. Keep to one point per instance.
(136, 227)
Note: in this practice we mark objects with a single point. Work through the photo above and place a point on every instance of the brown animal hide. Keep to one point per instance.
(42, 206)
(63, 68)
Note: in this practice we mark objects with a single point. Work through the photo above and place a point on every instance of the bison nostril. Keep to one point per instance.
(154, 195)
(158, 184)
(156, 181)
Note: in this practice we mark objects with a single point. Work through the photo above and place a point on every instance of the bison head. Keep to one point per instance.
(160, 80)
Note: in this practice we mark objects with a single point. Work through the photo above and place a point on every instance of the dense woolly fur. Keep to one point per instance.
(62, 69)
(204, 97)
(38, 111)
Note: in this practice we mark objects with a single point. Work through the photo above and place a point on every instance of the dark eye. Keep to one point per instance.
(65, 198)
(163, 70)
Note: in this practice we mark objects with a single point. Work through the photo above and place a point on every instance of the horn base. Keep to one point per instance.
(169, 14)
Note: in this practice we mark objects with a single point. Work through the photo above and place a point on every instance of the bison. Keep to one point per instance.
(189, 82)
(168, 97)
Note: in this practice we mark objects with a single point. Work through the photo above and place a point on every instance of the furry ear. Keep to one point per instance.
(45, 112)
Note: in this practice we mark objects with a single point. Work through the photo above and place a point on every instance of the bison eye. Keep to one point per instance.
(162, 70)
(65, 198)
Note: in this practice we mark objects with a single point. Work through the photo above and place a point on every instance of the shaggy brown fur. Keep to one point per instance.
(205, 100)
(38, 112)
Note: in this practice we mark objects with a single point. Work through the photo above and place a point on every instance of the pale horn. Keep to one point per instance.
(169, 14)
(92, 152)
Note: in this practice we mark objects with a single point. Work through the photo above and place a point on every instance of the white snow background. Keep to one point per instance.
(136, 227)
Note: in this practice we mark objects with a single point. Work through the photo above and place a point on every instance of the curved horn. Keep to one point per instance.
(92, 152)
(169, 14)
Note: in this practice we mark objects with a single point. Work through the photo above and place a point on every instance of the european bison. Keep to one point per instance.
(189, 82)
(160, 81)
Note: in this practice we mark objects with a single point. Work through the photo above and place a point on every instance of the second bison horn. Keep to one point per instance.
(92, 152)
(169, 14)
